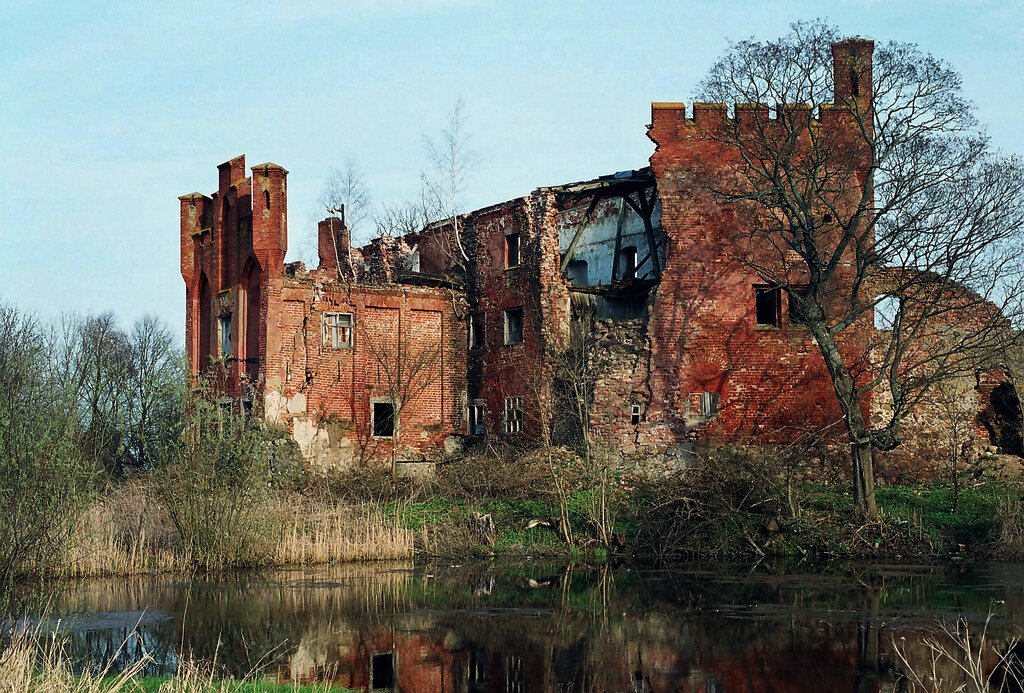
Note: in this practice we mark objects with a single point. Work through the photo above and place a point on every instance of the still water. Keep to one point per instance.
(538, 627)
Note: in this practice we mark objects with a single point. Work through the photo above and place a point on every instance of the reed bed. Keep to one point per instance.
(125, 533)
(316, 532)
(31, 664)
(129, 532)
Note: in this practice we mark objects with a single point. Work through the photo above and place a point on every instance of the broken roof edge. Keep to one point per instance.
(630, 178)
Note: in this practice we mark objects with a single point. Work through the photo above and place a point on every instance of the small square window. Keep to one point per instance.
(476, 331)
(383, 423)
(475, 419)
(512, 250)
(513, 326)
(337, 330)
(513, 415)
(797, 314)
(767, 305)
(636, 414)
(708, 404)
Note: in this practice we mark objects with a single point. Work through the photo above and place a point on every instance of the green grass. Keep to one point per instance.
(917, 522)
(151, 684)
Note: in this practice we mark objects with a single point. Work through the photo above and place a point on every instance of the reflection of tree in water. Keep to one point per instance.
(539, 628)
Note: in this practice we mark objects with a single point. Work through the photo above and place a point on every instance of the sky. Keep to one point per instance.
(111, 110)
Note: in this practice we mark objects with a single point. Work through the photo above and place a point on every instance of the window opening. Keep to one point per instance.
(512, 250)
(382, 671)
(476, 419)
(383, 420)
(514, 677)
(797, 311)
(337, 330)
(766, 305)
(635, 414)
(513, 326)
(476, 331)
(578, 273)
(887, 309)
(627, 262)
(224, 331)
(708, 404)
(477, 670)
(854, 83)
(513, 415)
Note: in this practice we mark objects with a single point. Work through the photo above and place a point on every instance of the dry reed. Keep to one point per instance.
(316, 532)
(128, 532)
(30, 664)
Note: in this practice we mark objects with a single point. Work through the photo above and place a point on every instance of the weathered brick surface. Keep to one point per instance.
(323, 394)
(686, 336)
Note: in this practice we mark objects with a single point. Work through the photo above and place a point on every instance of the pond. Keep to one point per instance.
(535, 626)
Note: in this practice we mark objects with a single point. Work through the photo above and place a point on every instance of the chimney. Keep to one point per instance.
(851, 70)
(333, 244)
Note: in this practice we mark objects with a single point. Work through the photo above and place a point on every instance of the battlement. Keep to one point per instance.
(852, 77)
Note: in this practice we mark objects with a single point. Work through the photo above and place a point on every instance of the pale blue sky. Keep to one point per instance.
(110, 110)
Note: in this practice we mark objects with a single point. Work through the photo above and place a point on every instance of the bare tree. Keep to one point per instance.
(451, 160)
(401, 219)
(345, 195)
(156, 381)
(878, 186)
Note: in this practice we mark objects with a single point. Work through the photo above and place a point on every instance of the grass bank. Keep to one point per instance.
(726, 508)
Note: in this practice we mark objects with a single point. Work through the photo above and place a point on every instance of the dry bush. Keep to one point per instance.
(494, 473)
(126, 532)
(359, 483)
(715, 508)
(1010, 516)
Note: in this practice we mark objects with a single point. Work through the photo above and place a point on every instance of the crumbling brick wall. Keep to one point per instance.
(500, 370)
(268, 319)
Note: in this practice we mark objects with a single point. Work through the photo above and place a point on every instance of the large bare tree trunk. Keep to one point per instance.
(863, 479)
(847, 396)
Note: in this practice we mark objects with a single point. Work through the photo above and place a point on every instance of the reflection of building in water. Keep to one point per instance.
(517, 654)
(584, 631)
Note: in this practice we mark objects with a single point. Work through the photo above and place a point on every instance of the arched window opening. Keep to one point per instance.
(251, 317)
(854, 83)
(887, 311)
(1005, 430)
(204, 325)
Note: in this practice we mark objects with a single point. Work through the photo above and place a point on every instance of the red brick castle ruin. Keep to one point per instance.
(407, 347)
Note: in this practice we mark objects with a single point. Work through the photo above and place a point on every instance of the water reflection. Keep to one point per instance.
(536, 628)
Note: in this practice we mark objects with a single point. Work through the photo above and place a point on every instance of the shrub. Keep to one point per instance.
(215, 484)
(44, 481)
(719, 507)
(494, 473)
